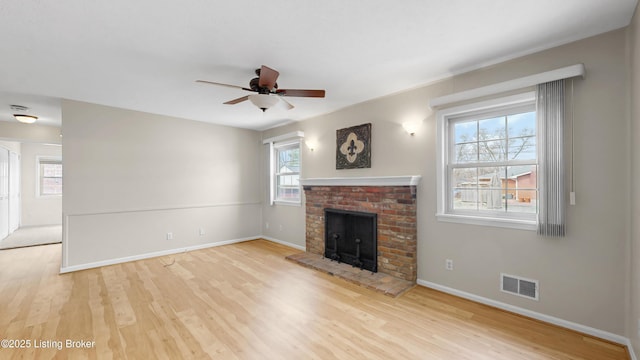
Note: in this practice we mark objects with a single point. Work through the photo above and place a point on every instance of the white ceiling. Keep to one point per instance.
(146, 54)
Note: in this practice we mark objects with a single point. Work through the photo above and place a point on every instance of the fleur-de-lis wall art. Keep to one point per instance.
(353, 147)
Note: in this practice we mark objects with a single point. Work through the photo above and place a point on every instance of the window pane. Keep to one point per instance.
(288, 193)
(289, 160)
(526, 202)
(467, 152)
(492, 188)
(522, 124)
(522, 148)
(523, 189)
(491, 129)
(494, 150)
(522, 136)
(52, 170)
(50, 178)
(288, 187)
(502, 189)
(288, 180)
(465, 188)
(51, 186)
(465, 131)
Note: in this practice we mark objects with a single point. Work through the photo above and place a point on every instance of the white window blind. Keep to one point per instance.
(550, 119)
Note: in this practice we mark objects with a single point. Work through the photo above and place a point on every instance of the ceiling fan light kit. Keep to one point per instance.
(266, 90)
(263, 101)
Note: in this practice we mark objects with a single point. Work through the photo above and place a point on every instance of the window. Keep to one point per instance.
(287, 172)
(488, 163)
(285, 165)
(50, 176)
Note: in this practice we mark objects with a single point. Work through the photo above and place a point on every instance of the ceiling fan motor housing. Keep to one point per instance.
(254, 85)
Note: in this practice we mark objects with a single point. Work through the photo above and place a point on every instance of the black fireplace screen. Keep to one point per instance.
(351, 237)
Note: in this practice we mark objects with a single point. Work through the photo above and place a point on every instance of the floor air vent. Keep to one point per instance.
(519, 286)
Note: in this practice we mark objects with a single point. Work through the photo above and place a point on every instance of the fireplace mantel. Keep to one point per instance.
(409, 180)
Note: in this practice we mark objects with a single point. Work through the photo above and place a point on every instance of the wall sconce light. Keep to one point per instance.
(311, 145)
(411, 127)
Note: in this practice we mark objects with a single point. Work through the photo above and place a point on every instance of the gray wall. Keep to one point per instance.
(34, 133)
(132, 177)
(584, 276)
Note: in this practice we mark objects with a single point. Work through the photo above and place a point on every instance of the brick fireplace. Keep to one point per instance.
(393, 199)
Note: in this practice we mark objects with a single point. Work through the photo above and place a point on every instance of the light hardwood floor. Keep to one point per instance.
(245, 301)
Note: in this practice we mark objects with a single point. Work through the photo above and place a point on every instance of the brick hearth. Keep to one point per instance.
(383, 283)
(396, 208)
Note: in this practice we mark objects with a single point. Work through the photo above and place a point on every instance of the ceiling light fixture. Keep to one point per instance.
(23, 118)
(263, 101)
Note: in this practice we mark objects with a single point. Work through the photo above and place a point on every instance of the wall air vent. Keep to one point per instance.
(519, 286)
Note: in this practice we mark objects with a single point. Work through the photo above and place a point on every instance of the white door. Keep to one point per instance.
(4, 193)
(14, 191)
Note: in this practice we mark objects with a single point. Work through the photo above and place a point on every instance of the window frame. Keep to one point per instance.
(277, 147)
(445, 149)
(295, 137)
(43, 160)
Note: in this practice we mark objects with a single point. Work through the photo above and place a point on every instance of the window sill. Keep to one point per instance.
(287, 203)
(530, 225)
(54, 196)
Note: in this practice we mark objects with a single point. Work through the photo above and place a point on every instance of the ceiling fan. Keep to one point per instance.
(266, 90)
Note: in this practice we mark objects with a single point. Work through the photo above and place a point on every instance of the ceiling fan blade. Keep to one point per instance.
(300, 93)
(268, 77)
(221, 84)
(287, 104)
(238, 100)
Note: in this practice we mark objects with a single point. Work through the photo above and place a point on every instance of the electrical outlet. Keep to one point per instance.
(201, 232)
(448, 264)
(281, 227)
(266, 225)
(169, 236)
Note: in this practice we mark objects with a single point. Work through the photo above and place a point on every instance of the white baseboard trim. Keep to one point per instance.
(632, 354)
(534, 315)
(68, 269)
(303, 248)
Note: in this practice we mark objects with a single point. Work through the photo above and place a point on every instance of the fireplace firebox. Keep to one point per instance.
(351, 237)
